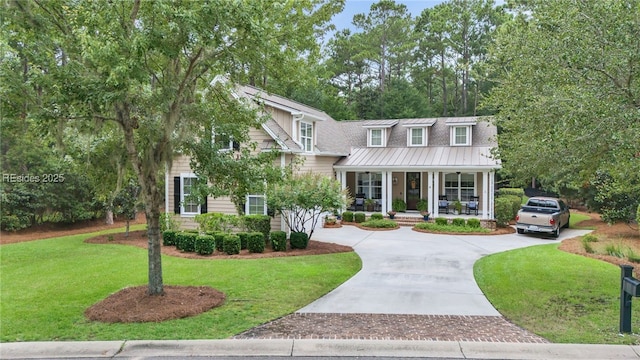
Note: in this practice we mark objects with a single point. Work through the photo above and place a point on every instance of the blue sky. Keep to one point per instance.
(352, 7)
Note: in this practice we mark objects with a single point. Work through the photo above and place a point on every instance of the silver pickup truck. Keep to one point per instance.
(543, 215)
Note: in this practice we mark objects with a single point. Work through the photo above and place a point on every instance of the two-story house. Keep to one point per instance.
(408, 159)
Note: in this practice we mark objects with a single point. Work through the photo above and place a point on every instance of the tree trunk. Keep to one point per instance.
(109, 217)
(156, 286)
(126, 233)
(444, 84)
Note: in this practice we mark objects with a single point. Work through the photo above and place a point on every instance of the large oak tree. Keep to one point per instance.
(148, 67)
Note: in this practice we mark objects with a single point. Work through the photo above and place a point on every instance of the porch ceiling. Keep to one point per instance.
(424, 157)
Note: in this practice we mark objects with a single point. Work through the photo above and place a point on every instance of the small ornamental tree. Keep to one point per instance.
(302, 198)
(126, 202)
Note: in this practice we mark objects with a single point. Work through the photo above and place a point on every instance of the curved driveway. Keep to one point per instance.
(408, 272)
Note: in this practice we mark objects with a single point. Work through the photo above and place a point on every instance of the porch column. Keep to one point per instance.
(492, 194)
(485, 195)
(430, 201)
(385, 191)
(342, 177)
(436, 192)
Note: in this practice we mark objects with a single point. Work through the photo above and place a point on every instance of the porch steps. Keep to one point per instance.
(408, 220)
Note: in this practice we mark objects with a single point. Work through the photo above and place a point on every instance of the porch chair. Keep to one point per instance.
(472, 205)
(359, 203)
(443, 204)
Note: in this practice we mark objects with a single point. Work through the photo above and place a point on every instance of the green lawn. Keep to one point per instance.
(563, 297)
(575, 219)
(46, 285)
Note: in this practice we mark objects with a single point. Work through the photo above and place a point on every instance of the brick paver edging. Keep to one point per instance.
(392, 327)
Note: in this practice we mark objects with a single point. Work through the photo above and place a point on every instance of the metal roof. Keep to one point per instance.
(434, 157)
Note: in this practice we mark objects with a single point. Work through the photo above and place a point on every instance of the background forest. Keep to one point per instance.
(560, 77)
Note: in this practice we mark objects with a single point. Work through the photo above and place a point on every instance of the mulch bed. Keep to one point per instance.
(139, 239)
(135, 305)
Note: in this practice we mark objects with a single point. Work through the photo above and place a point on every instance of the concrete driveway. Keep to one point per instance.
(407, 272)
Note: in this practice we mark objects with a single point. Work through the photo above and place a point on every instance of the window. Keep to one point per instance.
(459, 186)
(370, 184)
(460, 135)
(224, 142)
(255, 205)
(306, 136)
(417, 137)
(188, 207)
(376, 137)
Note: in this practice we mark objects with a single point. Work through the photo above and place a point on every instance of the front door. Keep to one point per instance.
(413, 190)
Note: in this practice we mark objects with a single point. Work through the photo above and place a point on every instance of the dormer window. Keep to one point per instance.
(306, 136)
(417, 136)
(460, 131)
(376, 137)
(461, 135)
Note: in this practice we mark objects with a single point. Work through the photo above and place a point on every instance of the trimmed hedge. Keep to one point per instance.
(219, 240)
(231, 244)
(473, 223)
(258, 223)
(504, 211)
(205, 244)
(442, 221)
(278, 240)
(377, 216)
(243, 240)
(458, 222)
(359, 217)
(169, 238)
(347, 216)
(186, 241)
(255, 242)
(299, 240)
(511, 191)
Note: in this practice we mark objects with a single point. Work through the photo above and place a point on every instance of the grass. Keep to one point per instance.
(48, 284)
(576, 219)
(562, 297)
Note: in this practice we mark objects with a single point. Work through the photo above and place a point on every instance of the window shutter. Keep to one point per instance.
(176, 194)
(236, 145)
(203, 206)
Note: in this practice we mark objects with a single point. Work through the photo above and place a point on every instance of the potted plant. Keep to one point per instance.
(457, 207)
(398, 205)
(369, 204)
(422, 207)
(392, 214)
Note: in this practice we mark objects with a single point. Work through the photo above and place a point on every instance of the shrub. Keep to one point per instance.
(299, 240)
(586, 244)
(377, 216)
(504, 211)
(278, 240)
(589, 238)
(219, 240)
(449, 228)
(205, 244)
(633, 257)
(258, 223)
(347, 216)
(398, 205)
(169, 238)
(186, 241)
(231, 244)
(473, 223)
(614, 250)
(380, 224)
(458, 222)
(168, 222)
(243, 240)
(211, 222)
(511, 192)
(359, 217)
(255, 242)
(442, 221)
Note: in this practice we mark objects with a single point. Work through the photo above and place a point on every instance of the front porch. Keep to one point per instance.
(377, 190)
(411, 218)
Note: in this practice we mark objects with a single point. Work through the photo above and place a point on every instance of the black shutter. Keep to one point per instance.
(236, 145)
(203, 206)
(176, 194)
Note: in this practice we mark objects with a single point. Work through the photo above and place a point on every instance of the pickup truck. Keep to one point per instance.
(543, 215)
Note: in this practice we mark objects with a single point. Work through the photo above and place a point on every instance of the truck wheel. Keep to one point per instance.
(566, 226)
(556, 232)
(520, 231)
